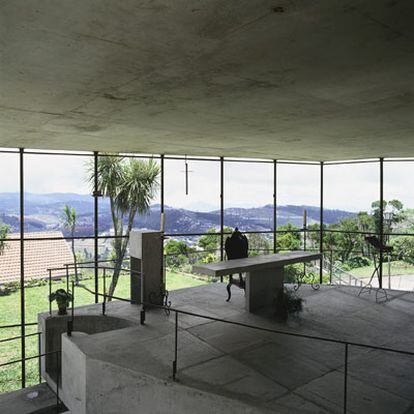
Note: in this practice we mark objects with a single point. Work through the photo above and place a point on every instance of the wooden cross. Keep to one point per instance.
(186, 171)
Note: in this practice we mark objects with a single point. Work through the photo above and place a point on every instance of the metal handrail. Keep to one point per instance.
(14, 338)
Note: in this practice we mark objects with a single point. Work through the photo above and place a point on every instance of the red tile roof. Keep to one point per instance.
(39, 255)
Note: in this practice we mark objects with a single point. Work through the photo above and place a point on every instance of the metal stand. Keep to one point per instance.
(315, 285)
(380, 293)
(161, 296)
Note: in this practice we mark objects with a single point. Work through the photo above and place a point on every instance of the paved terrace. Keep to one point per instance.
(276, 372)
(271, 372)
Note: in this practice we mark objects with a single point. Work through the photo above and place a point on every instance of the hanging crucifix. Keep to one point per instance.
(186, 171)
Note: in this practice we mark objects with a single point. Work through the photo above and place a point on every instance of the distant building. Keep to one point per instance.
(39, 255)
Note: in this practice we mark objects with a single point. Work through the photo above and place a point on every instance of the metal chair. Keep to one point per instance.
(236, 247)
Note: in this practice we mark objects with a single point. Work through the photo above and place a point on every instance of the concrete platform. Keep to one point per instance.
(228, 368)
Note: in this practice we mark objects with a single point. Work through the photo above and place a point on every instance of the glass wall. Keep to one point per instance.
(200, 196)
(398, 269)
(298, 211)
(192, 207)
(351, 207)
(10, 292)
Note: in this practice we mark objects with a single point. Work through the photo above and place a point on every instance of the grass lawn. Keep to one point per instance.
(398, 268)
(36, 300)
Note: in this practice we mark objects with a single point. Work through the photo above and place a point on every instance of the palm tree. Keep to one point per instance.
(69, 222)
(130, 184)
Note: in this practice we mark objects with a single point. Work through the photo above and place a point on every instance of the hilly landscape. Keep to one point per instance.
(44, 212)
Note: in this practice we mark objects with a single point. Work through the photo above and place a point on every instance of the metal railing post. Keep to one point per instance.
(67, 277)
(71, 321)
(39, 351)
(330, 266)
(57, 383)
(346, 378)
(50, 291)
(104, 292)
(174, 375)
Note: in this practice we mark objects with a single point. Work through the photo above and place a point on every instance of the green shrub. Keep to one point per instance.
(357, 261)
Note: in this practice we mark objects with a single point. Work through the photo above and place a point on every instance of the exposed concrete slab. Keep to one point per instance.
(290, 80)
(290, 370)
(295, 402)
(223, 339)
(241, 381)
(388, 371)
(363, 397)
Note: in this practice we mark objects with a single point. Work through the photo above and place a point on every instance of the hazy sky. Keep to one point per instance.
(350, 187)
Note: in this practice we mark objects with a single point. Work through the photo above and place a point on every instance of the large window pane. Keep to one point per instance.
(122, 173)
(181, 253)
(192, 205)
(298, 199)
(248, 195)
(54, 183)
(351, 201)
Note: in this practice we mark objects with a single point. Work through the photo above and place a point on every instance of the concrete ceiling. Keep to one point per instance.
(286, 79)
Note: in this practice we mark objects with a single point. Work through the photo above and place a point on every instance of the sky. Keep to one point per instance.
(349, 187)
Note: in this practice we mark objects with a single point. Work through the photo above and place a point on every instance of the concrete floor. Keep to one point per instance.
(39, 399)
(266, 371)
(272, 371)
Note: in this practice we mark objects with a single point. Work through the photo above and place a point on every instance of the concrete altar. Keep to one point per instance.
(265, 274)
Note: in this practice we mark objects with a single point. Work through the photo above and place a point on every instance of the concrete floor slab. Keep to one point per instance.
(296, 402)
(387, 371)
(239, 380)
(38, 398)
(363, 397)
(222, 336)
(288, 369)
(282, 372)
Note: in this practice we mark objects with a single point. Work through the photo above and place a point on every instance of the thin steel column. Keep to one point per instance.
(221, 208)
(96, 222)
(22, 293)
(174, 374)
(381, 223)
(346, 378)
(321, 226)
(162, 184)
(274, 205)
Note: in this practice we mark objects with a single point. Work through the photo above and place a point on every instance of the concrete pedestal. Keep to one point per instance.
(147, 273)
(261, 287)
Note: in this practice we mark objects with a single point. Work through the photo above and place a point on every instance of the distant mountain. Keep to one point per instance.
(44, 212)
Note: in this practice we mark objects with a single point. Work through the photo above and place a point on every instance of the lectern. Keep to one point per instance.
(147, 270)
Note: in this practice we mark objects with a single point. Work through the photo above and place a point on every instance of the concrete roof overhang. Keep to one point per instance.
(291, 79)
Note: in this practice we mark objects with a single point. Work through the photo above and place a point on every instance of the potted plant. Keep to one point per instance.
(62, 299)
(287, 302)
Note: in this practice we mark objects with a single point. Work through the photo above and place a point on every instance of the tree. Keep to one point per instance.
(130, 184)
(176, 253)
(393, 207)
(69, 218)
(4, 231)
(258, 244)
(348, 240)
(290, 239)
(211, 241)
